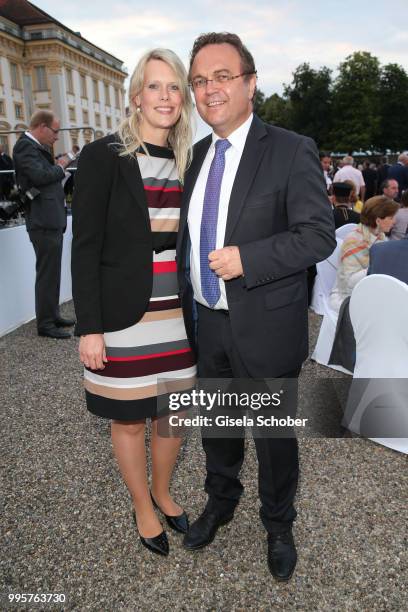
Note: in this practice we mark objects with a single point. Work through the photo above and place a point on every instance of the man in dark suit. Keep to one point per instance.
(399, 172)
(6, 179)
(255, 215)
(37, 174)
(390, 258)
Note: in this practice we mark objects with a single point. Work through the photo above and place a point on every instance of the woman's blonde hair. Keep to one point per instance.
(180, 135)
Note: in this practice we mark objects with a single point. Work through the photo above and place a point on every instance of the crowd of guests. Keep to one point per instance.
(373, 202)
(375, 198)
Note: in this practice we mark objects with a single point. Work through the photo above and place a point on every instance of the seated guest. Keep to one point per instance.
(356, 203)
(342, 210)
(390, 188)
(390, 258)
(376, 219)
(400, 228)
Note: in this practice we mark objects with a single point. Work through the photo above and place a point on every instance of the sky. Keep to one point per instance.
(281, 35)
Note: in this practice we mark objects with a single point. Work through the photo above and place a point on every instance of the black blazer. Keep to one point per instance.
(280, 218)
(35, 167)
(112, 271)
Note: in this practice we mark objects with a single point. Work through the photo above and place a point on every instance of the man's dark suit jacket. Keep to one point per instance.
(112, 246)
(6, 180)
(390, 258)
(282, 222)
(399, 172)
(35, 167)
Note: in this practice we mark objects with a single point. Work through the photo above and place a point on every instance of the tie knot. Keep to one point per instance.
(221, 146)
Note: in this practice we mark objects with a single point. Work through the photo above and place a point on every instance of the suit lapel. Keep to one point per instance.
(130, 171)
(200, 151)
(251, 158)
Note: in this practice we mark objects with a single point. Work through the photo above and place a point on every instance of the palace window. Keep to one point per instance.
(40, 78)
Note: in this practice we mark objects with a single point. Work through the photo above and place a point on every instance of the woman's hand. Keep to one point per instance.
(92, 351)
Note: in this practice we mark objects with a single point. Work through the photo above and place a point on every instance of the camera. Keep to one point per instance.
(18, 202)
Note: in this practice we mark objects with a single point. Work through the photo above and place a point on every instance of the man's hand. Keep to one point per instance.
(63, 161)
(92, 351)
(226, 262)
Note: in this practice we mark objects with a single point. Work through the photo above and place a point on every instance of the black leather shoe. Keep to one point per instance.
(54, 332)
(62, 322)
(203, 530)
(282, 555)
(178, 523)
(159, 544)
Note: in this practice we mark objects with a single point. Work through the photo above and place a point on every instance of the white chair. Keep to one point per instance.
(324, 343)
(379, 315)
(343, 230)
(325, 279)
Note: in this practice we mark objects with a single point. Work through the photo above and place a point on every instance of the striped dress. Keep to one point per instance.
(153, 356)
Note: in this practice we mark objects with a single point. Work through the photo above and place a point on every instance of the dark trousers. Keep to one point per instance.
(278, 465)
(48, 252)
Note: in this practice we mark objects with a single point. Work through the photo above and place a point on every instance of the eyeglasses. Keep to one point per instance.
(220, 78)
(52, 129)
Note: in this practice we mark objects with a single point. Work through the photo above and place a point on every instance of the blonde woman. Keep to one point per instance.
(125, 219)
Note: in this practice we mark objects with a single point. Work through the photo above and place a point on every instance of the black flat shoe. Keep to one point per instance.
(282, 555)
(159, 544)
(178, 523)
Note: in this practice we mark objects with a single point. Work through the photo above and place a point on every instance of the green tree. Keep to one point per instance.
(275, 110)
(356, 118)
(393, 108)
(258, 101)
(309, 101)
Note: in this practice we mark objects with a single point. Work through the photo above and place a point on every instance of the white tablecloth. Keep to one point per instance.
(17, 276)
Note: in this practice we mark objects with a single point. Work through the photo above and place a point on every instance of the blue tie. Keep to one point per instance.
(210, 287)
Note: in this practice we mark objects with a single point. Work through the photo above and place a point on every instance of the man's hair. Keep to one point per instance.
(404, 199)
(219, 38)
(385, 184)
(323, 154)
(348, 160)
(41, 116)
(377, 207)
(403, 156)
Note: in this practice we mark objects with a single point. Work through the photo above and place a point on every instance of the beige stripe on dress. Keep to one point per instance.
(136, 393)
(161, 315)
(164, 225)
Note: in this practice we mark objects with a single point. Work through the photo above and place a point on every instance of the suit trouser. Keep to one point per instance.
(48, 251)
(278, 465)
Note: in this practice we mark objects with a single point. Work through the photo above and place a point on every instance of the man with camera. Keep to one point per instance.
(39, 179)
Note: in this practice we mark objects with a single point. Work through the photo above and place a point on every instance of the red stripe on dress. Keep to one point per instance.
(147, 367)
(164, 189)
(152, 356)
(163, 267)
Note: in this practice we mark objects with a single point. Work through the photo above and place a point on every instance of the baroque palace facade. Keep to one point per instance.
(44, 64)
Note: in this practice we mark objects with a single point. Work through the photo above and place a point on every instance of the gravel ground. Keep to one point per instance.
(67, 525)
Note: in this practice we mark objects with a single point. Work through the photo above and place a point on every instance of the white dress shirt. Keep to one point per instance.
(33, 138)
(349, 173)
(232, 159)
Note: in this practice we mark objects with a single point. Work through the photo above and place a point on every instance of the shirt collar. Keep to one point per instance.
(32, 138)
(238, 137)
